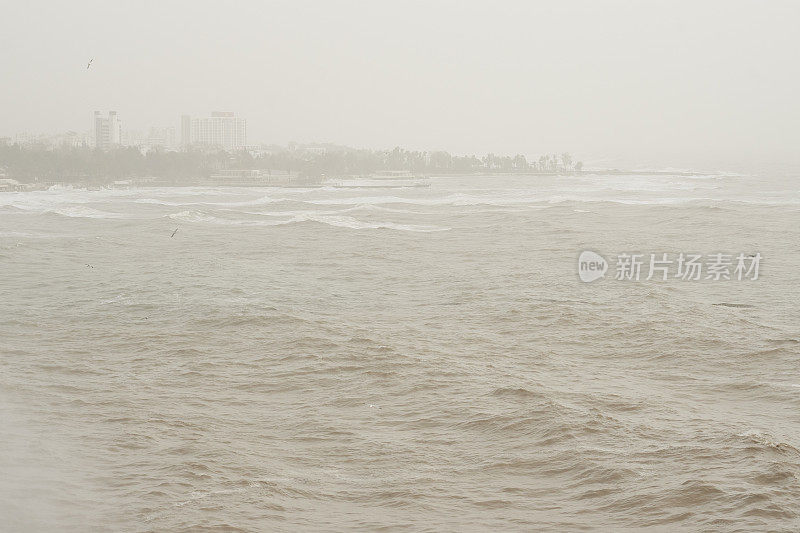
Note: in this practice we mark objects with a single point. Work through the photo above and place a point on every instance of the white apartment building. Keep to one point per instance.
(222, 128)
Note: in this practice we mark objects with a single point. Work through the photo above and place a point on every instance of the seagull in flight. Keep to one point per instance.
(89, 64)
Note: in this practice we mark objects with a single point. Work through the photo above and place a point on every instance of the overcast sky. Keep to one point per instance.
(659, 80)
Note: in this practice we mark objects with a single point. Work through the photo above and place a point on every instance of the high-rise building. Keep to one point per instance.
(186, 131)
(161, 137)
(223, 129)
(107, 130)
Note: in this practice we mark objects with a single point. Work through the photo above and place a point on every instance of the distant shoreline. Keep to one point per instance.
(40, 167)
(284, 180)
(585, 172)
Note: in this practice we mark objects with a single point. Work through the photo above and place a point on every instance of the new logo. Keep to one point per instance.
(591, 266)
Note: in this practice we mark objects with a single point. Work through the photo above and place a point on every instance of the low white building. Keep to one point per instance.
(7, 184)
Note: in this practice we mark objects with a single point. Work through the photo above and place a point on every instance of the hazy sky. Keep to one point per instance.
(654, 79)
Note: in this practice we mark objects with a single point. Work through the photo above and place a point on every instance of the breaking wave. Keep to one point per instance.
(85, 212)
(339, 221)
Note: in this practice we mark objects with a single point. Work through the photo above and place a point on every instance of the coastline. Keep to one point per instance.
(296, 181)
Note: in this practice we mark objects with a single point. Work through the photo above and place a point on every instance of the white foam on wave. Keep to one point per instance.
(54, 199)
(361, 202)
(73, 207)
(690, 173)
(39, 201)
(454, 199)
(642, 184)
(195, 216)
(264, 200)
(379, 208)
(155, 201)
(313, 212)
(499, 198)
(335, 220)
(352, 223)
(559, 199)
(531, 198)
(80, 211)
(507, 196)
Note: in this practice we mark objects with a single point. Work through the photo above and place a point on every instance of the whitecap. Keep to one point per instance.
(340, 221)
(80, 211)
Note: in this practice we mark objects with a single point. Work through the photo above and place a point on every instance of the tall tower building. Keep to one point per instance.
(107, 130)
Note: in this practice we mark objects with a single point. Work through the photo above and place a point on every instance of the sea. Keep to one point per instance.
(403, 359)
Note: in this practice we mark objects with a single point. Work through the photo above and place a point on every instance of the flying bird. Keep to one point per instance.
(174, 232)
(89, 64)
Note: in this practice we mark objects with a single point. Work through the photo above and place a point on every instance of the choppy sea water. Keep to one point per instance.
(401, 359)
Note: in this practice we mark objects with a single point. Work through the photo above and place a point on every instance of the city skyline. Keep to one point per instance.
(225, 129)
(438, 84)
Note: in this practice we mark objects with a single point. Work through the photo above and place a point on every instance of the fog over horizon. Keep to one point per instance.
(678, 83)
(583, 317)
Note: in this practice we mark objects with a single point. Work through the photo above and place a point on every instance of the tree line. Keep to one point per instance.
(39, 162)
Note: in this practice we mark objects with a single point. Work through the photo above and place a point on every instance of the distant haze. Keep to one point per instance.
(678, 82)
